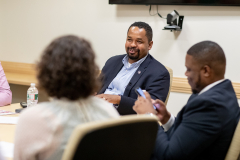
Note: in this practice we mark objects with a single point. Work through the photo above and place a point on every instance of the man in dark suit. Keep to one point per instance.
(203, 129)
(123, 73)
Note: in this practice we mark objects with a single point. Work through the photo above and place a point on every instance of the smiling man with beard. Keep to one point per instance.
(123, 73)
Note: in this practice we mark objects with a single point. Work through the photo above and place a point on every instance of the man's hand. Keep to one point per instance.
(143, 106)
(162, 114)
(114, 99)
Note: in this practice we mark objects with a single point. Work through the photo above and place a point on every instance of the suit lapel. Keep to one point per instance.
(178, 119)
(115, 70)
(192, 96)
(139, 72)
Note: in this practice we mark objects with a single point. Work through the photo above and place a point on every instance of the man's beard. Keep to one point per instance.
(198, 86)
(133, 57)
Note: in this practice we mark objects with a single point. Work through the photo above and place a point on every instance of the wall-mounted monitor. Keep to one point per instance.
(179, 2)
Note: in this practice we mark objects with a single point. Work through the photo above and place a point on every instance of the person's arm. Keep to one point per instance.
(198, 128)
(36, 134)
(169, 123)
(5, 92)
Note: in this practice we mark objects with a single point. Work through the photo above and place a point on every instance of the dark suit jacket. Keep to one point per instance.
(204, 127)
(154, 78)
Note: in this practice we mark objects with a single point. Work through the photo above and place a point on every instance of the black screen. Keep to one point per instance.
(179, 2)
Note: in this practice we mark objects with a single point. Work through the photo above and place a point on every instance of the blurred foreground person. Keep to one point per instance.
(68, 73)
(204, 128)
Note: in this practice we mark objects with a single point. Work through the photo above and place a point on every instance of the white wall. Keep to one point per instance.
(27, 26)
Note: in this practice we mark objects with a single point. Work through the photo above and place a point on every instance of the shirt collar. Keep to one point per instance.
(133, 65)
(210, 86)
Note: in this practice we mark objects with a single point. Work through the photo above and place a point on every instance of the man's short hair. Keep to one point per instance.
(145, 26)
(211, 54)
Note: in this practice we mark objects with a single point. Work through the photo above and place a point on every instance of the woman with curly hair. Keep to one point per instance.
(68, 73)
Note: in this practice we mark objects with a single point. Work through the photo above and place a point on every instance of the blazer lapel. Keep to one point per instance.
(192, 96)
(178, 119)
(115, 70)
(140, 71)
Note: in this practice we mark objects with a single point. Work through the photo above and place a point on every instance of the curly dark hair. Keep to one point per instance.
(67, 68)
(146, 27)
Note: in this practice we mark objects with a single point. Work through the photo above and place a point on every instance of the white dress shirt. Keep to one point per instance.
(171, 121)
(120, 82)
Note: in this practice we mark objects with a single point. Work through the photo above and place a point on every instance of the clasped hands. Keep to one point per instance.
(114, 99)
(143, 106)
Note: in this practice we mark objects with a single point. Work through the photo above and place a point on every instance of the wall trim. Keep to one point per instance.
(19, 73)
(16, 67)
(24, 74)
(180, 85)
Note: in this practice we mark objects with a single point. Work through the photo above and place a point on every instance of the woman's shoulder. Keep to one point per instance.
(35, 113)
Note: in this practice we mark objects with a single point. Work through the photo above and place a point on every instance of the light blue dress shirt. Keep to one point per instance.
(120, 82)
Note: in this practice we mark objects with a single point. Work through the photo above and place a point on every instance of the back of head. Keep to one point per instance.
(67, 68)
(146, 27)
(211, 54)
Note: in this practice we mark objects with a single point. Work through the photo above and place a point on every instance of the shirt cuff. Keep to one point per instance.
(169, 123)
